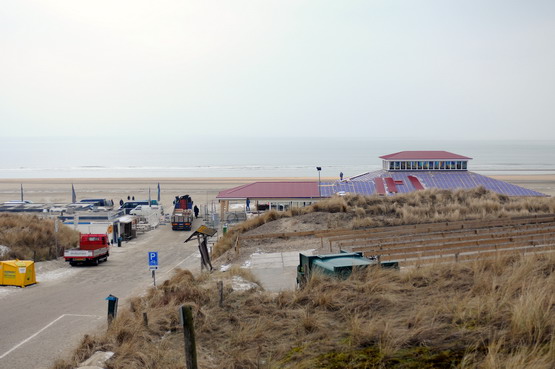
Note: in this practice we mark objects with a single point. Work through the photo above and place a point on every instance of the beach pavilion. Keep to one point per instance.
(401, 172)
(270, 195)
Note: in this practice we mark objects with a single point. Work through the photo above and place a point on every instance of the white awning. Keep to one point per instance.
(127, 219)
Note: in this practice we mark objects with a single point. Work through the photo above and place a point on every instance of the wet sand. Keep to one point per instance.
(202, 190)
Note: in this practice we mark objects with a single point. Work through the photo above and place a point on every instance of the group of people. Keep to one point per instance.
(129, 198)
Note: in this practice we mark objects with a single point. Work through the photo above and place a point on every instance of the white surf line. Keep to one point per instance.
(178, 264)
(40, 331)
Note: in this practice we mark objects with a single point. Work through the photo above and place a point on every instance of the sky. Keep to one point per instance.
(306, 68)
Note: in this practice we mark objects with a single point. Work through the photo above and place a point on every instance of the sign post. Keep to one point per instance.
(112, 307)
(153, 264)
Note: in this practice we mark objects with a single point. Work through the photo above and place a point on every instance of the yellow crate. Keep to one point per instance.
(17, 273)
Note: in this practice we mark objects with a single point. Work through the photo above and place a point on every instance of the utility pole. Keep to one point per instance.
(319, 186)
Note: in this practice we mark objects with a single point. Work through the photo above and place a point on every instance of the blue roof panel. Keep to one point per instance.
(363, 184)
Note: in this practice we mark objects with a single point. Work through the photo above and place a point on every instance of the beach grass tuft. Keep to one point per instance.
(31, 237)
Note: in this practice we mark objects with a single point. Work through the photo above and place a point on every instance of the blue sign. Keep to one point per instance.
(153, 258)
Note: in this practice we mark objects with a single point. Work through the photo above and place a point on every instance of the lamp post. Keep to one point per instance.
(319, 186)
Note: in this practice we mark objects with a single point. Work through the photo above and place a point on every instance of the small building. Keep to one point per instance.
(112, 223)
(424, 160)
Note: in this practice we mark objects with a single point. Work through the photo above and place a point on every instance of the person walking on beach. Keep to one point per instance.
(195, 209)
(341, 176)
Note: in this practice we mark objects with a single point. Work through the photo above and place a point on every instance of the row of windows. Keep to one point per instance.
(425, 165)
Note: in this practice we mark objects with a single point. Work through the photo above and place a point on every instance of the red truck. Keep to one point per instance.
(93, 249)
(182, 216)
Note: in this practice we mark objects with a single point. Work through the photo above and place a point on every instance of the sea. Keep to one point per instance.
(209, 156)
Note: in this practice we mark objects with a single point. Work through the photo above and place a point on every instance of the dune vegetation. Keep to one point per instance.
(495, 313)
(484, 314)
(29, 237)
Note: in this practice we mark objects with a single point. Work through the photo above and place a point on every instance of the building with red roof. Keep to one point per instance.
(401, 172)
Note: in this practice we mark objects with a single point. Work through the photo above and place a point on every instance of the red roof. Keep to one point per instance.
(424, 155)
(271, 190)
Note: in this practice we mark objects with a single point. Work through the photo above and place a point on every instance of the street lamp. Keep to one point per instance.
(319, 186)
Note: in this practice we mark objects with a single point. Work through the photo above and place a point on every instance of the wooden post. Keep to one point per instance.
(330, 245)
(221, 293)
(321, 242)
(186, 315)
(145, 319)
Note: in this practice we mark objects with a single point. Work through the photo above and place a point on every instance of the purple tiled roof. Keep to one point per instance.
(364, 184)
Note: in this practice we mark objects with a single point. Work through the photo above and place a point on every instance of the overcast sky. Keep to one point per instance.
(411, 69)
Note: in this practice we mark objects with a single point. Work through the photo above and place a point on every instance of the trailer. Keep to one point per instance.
(337, 265)
(93, 249)
(182, 215)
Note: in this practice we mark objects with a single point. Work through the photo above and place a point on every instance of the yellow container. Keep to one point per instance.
(17, 273)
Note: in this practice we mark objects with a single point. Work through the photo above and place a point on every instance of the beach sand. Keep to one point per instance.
(202, 190)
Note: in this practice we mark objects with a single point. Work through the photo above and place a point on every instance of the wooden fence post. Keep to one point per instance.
(186, 315)
(221, 293)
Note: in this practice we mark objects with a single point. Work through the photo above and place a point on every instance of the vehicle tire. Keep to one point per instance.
(95, 262)
(72, 263)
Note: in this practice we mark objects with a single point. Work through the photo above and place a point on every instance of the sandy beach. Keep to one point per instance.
(202, 190)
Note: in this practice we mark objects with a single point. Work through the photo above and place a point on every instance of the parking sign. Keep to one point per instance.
(153, 259)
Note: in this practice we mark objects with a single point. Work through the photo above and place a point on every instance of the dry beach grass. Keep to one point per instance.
(34, 238)
(486, 314)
